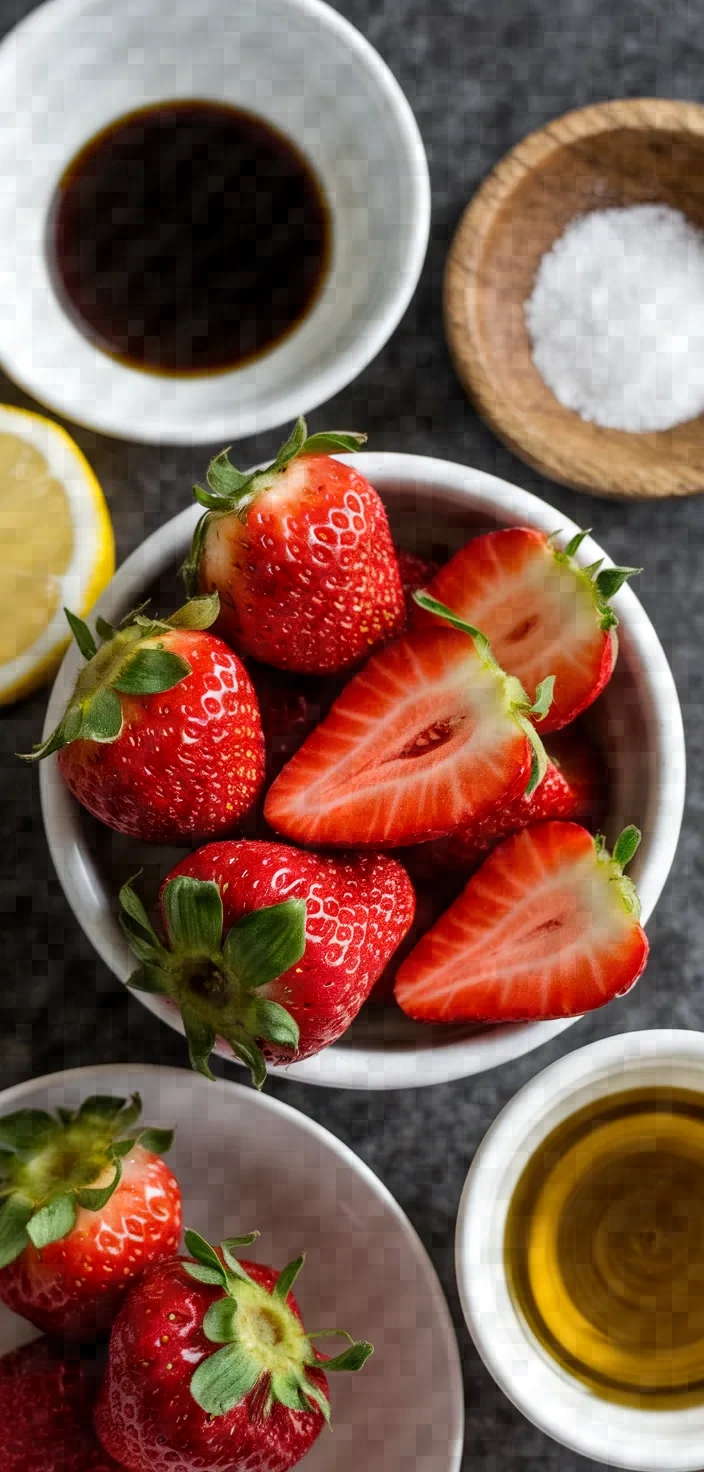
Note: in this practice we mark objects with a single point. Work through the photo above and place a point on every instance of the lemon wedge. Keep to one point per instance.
(56, 546)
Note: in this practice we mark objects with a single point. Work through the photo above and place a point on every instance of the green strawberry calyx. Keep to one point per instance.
(218, 981)
(520, 707)
(265, 1351)
(623, 851)
(229, 490)
(129, 660)
(52, 1164)
(604, 582)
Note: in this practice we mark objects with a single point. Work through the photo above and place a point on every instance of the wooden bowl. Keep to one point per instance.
(616, 153)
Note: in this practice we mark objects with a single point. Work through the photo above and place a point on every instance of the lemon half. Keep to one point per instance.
(56, 546)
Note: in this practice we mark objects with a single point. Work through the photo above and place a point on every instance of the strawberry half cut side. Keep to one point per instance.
(548, 927)
(216, 980)
(265, 1349)
(431, 734)
(53, 1165)
(539, 610)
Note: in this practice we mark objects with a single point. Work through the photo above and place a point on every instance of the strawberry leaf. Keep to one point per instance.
(104, 629)
(101, 1107)
(96, 1197)
(275, 1024)
(611, 579)
(228, 1252)
(14, 1215)
(543, 698)
(200, 1037)
(333, 443)
(267, 942)
(101, 718)
(246, 1049)
(222, 477)
(82, 635)
(204, 1275)
(316, 1395)
(150, 978)
(53, 1221)
(158, 1142)
(202, 1251)
(26, 1131)
(286, 1279)
(287, 1390)
(352, 1358)
(626, 845)
(219, 1321)
(574, 545)
(224, 1379)
(197, 613)
(66, 731)
(193, 915)
(151, 672)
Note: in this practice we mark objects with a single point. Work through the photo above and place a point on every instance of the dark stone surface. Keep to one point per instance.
(479, 75)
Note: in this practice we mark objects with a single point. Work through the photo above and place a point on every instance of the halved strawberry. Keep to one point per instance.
(430, 734)
(548, 927)
(574, 786)
(539, 611)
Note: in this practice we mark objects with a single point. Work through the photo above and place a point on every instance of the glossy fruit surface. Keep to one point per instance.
(46, 1410)
(548, 927)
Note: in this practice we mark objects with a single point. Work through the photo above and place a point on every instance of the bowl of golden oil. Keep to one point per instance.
(580, 1251)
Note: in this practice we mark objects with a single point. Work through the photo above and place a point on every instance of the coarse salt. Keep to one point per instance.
(616, 318)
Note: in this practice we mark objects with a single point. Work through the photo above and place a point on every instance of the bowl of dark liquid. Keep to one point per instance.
(215, 222)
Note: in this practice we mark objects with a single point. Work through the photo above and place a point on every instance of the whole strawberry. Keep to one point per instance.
(47, 1395)
(162, 737)
(269, 947)
(301, 555)
(88, 1204)
(210, 1367)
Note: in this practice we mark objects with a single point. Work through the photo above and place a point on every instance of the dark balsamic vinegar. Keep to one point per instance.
(188, 238)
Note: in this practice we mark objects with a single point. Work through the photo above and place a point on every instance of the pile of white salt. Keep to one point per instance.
(616, 318)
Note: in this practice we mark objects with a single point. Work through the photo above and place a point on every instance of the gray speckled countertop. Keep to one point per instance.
(479, 75)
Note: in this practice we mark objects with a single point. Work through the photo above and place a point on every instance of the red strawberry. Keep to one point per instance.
(88, 1205)
(539, 611)
(573, 787)
(430, 734)
(46, 1411)
(162, 737)
(415, 573)
(548, 927)
(301, 555)
(210, 1366)
(271, 948)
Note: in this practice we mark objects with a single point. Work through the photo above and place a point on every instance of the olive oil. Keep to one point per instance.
(604, 1247)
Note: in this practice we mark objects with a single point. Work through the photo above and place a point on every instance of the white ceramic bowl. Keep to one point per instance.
(647, 1441)
(73, 66)
(429, 502)
(245, 1161)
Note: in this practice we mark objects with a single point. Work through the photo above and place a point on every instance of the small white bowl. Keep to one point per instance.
(73, 66)
(646, 1441)
(246, 1162)
(430, 502)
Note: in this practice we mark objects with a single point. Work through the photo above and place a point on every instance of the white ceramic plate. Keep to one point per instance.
(73, 66)
(430, 502)
(245, 1161)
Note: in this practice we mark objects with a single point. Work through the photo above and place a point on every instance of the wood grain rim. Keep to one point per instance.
(462, 293)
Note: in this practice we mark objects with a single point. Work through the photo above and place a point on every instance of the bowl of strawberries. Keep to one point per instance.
(153, 1230)
(381, 774)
